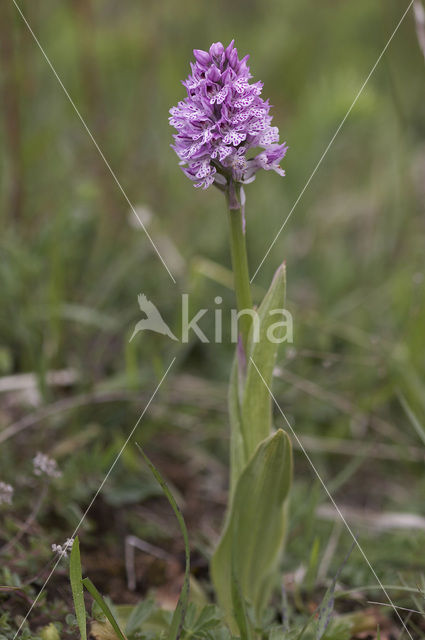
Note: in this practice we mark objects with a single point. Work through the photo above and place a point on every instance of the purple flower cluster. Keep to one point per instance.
(221, 119)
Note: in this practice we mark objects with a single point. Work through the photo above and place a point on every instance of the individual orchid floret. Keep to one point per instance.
(6, 493)
(222, 118)
(43, 465)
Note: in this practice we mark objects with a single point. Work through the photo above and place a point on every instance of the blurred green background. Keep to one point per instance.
(73, 258)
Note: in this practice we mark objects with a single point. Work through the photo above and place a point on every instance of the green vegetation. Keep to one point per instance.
(74, 259)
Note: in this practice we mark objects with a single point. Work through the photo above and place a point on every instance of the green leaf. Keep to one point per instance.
(209, 618)
(239, 609)
(305, 627)
(105, 608)
(255, 529)
(180, 611)
(139, 614)
(256, 404)
(250, 404)
(76, 579)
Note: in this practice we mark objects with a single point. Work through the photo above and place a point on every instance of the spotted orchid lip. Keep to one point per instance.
(222, 117)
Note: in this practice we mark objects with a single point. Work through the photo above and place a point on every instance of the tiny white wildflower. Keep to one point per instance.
(44, 465)
(62, 549)
(6, 493)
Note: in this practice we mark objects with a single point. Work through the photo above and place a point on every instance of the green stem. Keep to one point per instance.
(240, 269)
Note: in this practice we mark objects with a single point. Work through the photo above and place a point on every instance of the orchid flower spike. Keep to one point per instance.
(222, 118)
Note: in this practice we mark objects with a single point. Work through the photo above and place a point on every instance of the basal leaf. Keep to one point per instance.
(239, 609)
(254, 533)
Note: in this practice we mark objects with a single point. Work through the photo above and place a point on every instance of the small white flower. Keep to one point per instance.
(44, 465)
(62, 549)
(6, 493)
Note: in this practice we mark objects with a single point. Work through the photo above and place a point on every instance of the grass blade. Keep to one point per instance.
(102, 604)
(420, 430)
(327, 605)
(180, 611)
(76, 579)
